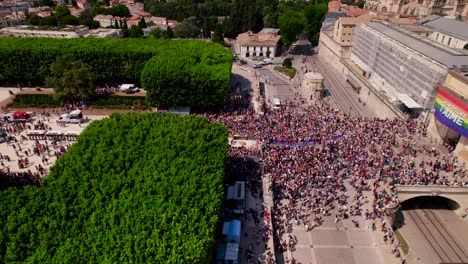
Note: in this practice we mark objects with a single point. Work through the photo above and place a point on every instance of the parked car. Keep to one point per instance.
(17, 116)
(258, 65)
(242, 62)
(276, 104)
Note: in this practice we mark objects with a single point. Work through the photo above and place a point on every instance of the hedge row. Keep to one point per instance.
(197, 69)
(135, 188)
(110, 102)
(28, 59)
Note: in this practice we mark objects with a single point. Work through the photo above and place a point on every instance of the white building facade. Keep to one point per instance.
(264, 44)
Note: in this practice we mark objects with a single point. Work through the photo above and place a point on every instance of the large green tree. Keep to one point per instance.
(218, 35)
(291, 25)
(71, 78)
(135, 32)
(186, 29)
(314, 15)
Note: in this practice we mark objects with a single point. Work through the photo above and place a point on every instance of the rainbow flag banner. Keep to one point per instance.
(451, 112)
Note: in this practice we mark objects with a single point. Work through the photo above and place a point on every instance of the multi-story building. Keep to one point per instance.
(403, 65)
(106, 20)
(264, 44)
(419, 8)
(68, 32)
(336, 41)
(449, 32)
(28, 31)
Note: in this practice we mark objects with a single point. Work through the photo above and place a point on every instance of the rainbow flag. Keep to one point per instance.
(451, 112)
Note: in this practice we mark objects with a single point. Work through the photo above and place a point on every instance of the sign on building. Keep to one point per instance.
(451, 112)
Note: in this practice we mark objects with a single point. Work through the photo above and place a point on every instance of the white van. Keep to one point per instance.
(267, 61)
(75, 117)
(129, 88)
(276, 104)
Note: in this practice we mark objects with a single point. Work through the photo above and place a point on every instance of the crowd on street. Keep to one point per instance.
(311, 151)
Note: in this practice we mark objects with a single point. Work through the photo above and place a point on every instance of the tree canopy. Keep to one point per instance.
(199, 79)
(71, 78)
(291, 25)
(135, 188)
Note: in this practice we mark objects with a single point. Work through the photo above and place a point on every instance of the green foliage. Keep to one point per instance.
(156, 33)
(218, 35)
(135, 188)
(71, 78)
(290, 72)
(186, 29)
(61, 17)
(181, 77)
(119, 102)
(291, 24)
(107, 102)
(287, 63)
(61, 11)
(142, 23)
(168, 33)
(28, 59)
(314, 15)
(135, 32)
(34, 100)
(115, 10)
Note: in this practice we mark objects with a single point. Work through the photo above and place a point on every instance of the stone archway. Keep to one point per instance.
(437, 202)
(384, 9)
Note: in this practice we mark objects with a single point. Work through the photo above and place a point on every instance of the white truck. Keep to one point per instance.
(267, 61)
(74, 117)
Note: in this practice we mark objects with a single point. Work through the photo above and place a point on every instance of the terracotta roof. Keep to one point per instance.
(354, 11)
(252, 39)
(334, 6)
(142, 13)
(5, 11)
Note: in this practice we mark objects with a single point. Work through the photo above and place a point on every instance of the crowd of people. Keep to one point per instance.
(22, 150)
(315, 154)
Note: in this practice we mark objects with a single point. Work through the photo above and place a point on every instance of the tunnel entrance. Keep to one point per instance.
(432, 228)
(430, 202)
(423, 203)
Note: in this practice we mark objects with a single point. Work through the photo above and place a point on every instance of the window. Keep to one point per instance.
(443, 39)
(448, 43)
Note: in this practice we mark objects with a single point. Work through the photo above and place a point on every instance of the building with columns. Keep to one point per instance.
(264, 44)
(419, 8)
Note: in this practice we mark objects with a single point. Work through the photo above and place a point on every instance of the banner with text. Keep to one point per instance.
(451, 112)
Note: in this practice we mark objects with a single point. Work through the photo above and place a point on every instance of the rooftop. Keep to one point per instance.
(451, 58)
(266, 37)
(446, 25)
(269, 31)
